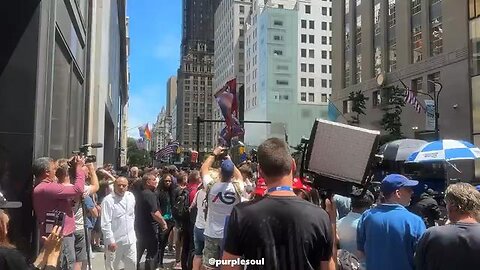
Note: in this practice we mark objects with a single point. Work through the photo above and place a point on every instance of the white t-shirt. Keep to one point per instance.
(200, 202)
(221, 200)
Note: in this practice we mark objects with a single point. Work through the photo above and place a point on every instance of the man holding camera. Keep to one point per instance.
(54, 200)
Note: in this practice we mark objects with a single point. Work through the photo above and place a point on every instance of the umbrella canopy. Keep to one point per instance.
(400, 150)
(445, 150)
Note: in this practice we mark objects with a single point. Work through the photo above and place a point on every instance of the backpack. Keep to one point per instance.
(347, 261)
(181, 205)
(236, 186)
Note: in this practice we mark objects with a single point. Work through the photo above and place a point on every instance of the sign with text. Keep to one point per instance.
(429, 114)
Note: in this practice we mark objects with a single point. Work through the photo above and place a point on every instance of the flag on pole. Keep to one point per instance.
(167, 150)
(145, 132)
(411, 98)
(228, 103)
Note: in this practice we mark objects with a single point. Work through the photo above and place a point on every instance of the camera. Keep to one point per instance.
(83, 152)
(54, 218)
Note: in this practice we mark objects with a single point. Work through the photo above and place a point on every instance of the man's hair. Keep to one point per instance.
(62, 169)
(147, 176)
(360, 200)
(465, 197)
(41, 165)
(182, 177)
(246, 169)
(274, 158)
(193, 176)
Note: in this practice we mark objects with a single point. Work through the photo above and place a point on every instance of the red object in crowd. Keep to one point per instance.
(261, 187)
(298, 184)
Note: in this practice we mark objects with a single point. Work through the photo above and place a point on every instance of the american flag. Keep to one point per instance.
(411, 98)
(167, 150)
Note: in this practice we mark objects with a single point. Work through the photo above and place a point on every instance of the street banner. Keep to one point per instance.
(429, 114)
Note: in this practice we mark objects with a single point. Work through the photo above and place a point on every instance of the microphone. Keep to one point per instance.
(93, 145)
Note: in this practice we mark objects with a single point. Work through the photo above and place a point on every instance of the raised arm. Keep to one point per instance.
(94, 184)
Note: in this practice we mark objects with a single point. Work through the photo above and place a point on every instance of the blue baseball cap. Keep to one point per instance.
(478, 187)
(227, 168)
(393, 182)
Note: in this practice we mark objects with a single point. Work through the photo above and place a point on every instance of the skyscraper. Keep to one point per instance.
(195, 74)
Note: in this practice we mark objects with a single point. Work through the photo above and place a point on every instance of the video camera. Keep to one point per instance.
(84, 149)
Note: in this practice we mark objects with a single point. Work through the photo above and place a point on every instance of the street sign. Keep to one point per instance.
(429, 114)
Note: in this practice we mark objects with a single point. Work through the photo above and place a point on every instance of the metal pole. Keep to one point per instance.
(198, 134)
(436, 97)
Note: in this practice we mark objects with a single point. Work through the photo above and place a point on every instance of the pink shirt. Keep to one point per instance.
(49, 196)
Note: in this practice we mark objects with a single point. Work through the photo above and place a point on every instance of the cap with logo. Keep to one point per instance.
(227, 167)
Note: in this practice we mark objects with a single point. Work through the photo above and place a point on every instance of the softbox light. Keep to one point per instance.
(341, 152)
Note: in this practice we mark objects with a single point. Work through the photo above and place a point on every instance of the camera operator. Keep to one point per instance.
(63, 175)
(49, 196)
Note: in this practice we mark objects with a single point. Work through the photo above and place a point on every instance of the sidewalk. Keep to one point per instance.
(98, 262)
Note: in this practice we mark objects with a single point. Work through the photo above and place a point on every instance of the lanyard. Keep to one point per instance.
(280, 188)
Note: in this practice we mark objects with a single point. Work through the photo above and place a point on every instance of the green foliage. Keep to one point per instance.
(358, 100)
(394, 98)
(137, 157)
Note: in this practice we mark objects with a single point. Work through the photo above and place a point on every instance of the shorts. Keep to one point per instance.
(97, 227)
(80, 247)
(198, 240)
(211, 250)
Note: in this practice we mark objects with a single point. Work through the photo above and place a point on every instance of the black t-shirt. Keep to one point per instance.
(12, 259)
(288, 232)
(453, 246)
(147, 205)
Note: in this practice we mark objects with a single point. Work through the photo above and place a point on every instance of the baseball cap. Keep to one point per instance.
(393, 182)
(4, 204)
(227, 168)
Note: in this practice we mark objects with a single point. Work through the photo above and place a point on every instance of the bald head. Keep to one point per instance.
(120, 186)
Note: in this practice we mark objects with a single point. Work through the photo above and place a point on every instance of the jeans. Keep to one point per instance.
(67, 257)
(199, 240)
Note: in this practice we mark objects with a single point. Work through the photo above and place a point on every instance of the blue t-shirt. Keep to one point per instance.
(388, 235)
(89, 205)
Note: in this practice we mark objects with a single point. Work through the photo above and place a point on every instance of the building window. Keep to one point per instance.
(311, 53)
(303, 53)
(311, 68)
(376, 98)
(347, 37)
(324, 25)
(330, 69)
(304, 24)
(324, 40)
(324, 83)
(330, 83)
(282, 82)
(303, 67)
(376, 18)
(277, 23)
(303, 82)
(435, 77)
(416, 6)
(324, 54)
(304, 38)
(391, 13)
(475, 46)
(311, 24)
(242, 32)
(277, 38)
(311, 39)
(324, 69)
(277, 52)
(242, 10)
(347, 73)
(242, 21)
(347, 6)
(303, 96)
(347, 106)
(308, 9)
(417, 43)
(358, 75)
(436, 43)
(324, 98)
(324, 11)
(311, 97)
(473, 8)
(392, 55)
(359, 31)
(359, 2)
(311, 82)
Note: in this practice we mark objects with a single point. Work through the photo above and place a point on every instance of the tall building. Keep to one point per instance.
(171, 94)
(161, 135)
(287, 59)
(49, 67)
(229, 54)
(195, 75)
(377, 43)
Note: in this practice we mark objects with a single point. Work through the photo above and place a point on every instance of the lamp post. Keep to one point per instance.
(436, 96)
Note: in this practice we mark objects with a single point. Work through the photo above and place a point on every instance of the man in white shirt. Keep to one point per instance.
(222, 196)
(118, 217)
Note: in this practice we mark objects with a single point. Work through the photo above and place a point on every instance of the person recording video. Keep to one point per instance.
(52, 201)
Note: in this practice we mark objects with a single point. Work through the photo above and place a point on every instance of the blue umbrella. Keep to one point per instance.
(445, 150)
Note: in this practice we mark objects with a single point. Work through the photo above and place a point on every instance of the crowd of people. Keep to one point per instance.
(261, 214)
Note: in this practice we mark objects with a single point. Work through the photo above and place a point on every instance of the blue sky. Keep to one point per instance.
(155, 36)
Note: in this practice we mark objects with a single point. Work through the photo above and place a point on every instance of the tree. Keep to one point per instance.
(391, 122)
(137, 157)
(358, 100)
